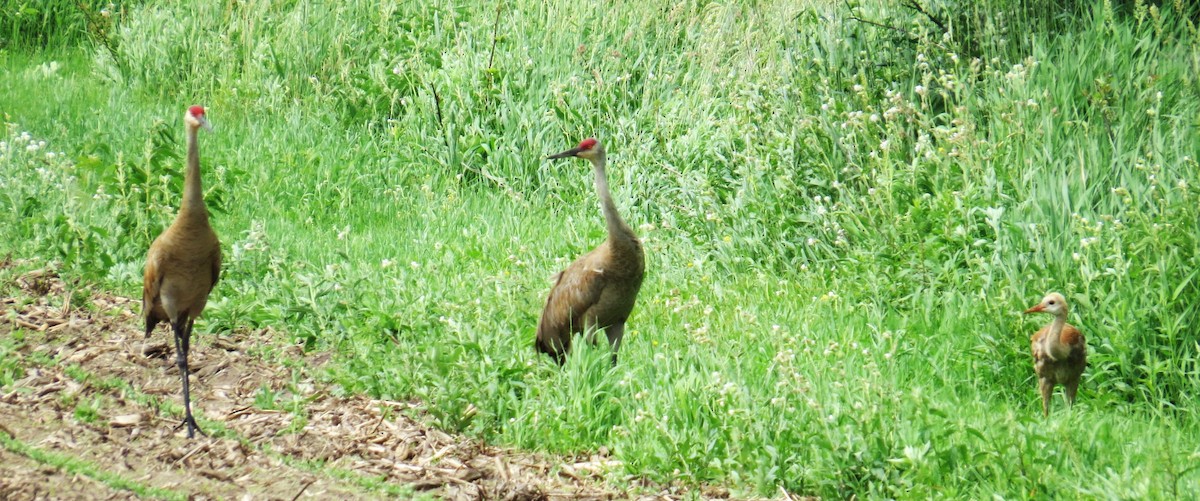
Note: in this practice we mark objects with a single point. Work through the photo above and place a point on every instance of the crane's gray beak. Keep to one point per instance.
(569, 153)
(204, 123)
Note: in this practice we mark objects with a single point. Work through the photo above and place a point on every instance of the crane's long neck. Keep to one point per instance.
(192, 208)
(617, 229)
(1052, 342)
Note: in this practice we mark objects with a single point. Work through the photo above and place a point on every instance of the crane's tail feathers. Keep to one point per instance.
(150, 323)
(555, 350)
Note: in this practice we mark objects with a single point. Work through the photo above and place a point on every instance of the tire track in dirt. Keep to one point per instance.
(93, 389)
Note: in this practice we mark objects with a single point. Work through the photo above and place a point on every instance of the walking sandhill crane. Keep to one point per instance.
(183, 264)
(598, 290)
(1059, 351)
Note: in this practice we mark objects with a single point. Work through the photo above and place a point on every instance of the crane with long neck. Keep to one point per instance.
(1059, 351)
(183, 265)
(598, 290)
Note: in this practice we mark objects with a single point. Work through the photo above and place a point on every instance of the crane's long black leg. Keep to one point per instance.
(183, 334)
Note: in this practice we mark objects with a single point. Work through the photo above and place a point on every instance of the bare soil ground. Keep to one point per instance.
(25, 478)
(93, 410)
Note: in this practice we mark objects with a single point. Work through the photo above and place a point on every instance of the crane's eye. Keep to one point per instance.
(1051, 302)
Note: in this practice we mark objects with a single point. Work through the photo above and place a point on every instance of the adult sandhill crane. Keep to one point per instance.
(1059, 351)
(598, 290)
(183, 264)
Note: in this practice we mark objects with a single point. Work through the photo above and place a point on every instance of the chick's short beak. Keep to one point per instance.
(1035, 309)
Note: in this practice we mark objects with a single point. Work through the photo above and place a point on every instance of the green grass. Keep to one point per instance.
(842, 224)
(10, 366)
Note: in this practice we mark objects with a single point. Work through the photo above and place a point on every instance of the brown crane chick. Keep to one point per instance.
(598, 290)
(183, 264)
(1059, 351)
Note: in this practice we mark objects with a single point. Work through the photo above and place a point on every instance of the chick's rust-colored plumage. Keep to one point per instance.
(1059, 351)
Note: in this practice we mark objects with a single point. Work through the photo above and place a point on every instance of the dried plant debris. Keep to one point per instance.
(276, 433)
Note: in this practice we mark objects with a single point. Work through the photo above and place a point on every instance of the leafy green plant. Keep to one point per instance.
(40, 24)
(10, 367)
(265, 399)
(88, 410)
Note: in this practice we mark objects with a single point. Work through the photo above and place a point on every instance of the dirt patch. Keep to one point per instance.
(95, 390)
(25, 478)
(56, 413)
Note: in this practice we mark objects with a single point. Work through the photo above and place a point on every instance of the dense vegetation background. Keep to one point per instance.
(845, 207)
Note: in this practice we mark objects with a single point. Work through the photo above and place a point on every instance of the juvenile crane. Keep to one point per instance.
(1059, 351)
(183, 264)
(598, 290)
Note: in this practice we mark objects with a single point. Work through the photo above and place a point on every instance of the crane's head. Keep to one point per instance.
(1054, 304)
(194, 118)
(589, 149)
